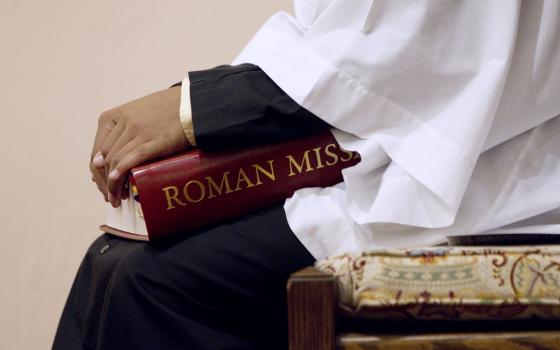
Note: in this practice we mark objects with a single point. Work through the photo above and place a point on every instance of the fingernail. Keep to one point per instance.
(114, 174)
(98, 160)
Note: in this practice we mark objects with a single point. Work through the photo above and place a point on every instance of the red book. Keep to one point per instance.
(195, 188)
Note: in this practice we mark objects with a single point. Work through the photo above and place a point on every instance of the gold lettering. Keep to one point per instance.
(331, 154)
(299, 167)
(218, 189)
(318, 156)
(242, 177)
(348, 153)
(188, 195)
(171, 194)
(269, 174)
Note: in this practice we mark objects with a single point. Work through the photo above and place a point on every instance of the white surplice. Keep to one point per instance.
(451, 105)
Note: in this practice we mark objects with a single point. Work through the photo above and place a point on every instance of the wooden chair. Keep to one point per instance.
(317, 322)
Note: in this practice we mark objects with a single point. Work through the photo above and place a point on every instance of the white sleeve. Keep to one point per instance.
(420, 88)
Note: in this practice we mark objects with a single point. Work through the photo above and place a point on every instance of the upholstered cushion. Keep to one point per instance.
(450, 283)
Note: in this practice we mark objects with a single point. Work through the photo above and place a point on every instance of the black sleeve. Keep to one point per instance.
(239, 106)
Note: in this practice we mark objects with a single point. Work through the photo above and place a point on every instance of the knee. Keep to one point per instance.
(96, 246)
(107, 253)
(134, 269)
(96, 262)
(140, 278)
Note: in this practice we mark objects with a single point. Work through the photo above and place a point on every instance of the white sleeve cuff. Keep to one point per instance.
(185, 111)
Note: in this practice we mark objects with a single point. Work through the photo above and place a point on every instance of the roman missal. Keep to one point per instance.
(197, 188)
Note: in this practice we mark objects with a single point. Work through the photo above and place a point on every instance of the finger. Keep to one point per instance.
(118, 145)
(114, 159)
(104, 127)
(109, 141)
(98, 163)
(141, 154)
(100, 180)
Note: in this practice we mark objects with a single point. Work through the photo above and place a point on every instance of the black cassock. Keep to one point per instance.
(219, 287)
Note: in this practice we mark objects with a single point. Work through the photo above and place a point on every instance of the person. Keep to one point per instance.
(452, 105)
(220, 287)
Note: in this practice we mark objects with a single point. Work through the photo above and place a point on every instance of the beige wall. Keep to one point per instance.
(62, 63)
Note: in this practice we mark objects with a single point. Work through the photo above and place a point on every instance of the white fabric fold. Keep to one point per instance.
(420, 89)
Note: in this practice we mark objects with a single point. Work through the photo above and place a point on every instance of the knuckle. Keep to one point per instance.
(109, 185)
(104, 151)
(95, 175)
(126, 117)
(94, 172)
(134, 127)
(109, 161)
(104, 118)
(109, 117)
(141, 153)
(115, 161)
(100, 183)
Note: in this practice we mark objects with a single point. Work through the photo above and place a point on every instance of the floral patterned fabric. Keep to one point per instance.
(467, 283)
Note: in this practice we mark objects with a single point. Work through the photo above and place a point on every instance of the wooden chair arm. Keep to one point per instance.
(312, 302)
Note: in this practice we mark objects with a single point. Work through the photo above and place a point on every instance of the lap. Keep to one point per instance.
(243, 253)
(225, 278)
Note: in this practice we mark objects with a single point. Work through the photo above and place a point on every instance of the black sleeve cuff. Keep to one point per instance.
(239, 106)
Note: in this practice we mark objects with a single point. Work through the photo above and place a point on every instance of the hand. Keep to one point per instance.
(132, 134)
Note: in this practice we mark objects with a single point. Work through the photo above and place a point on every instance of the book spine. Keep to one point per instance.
(198, 188)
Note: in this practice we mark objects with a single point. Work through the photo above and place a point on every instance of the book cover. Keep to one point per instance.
(197, 188)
